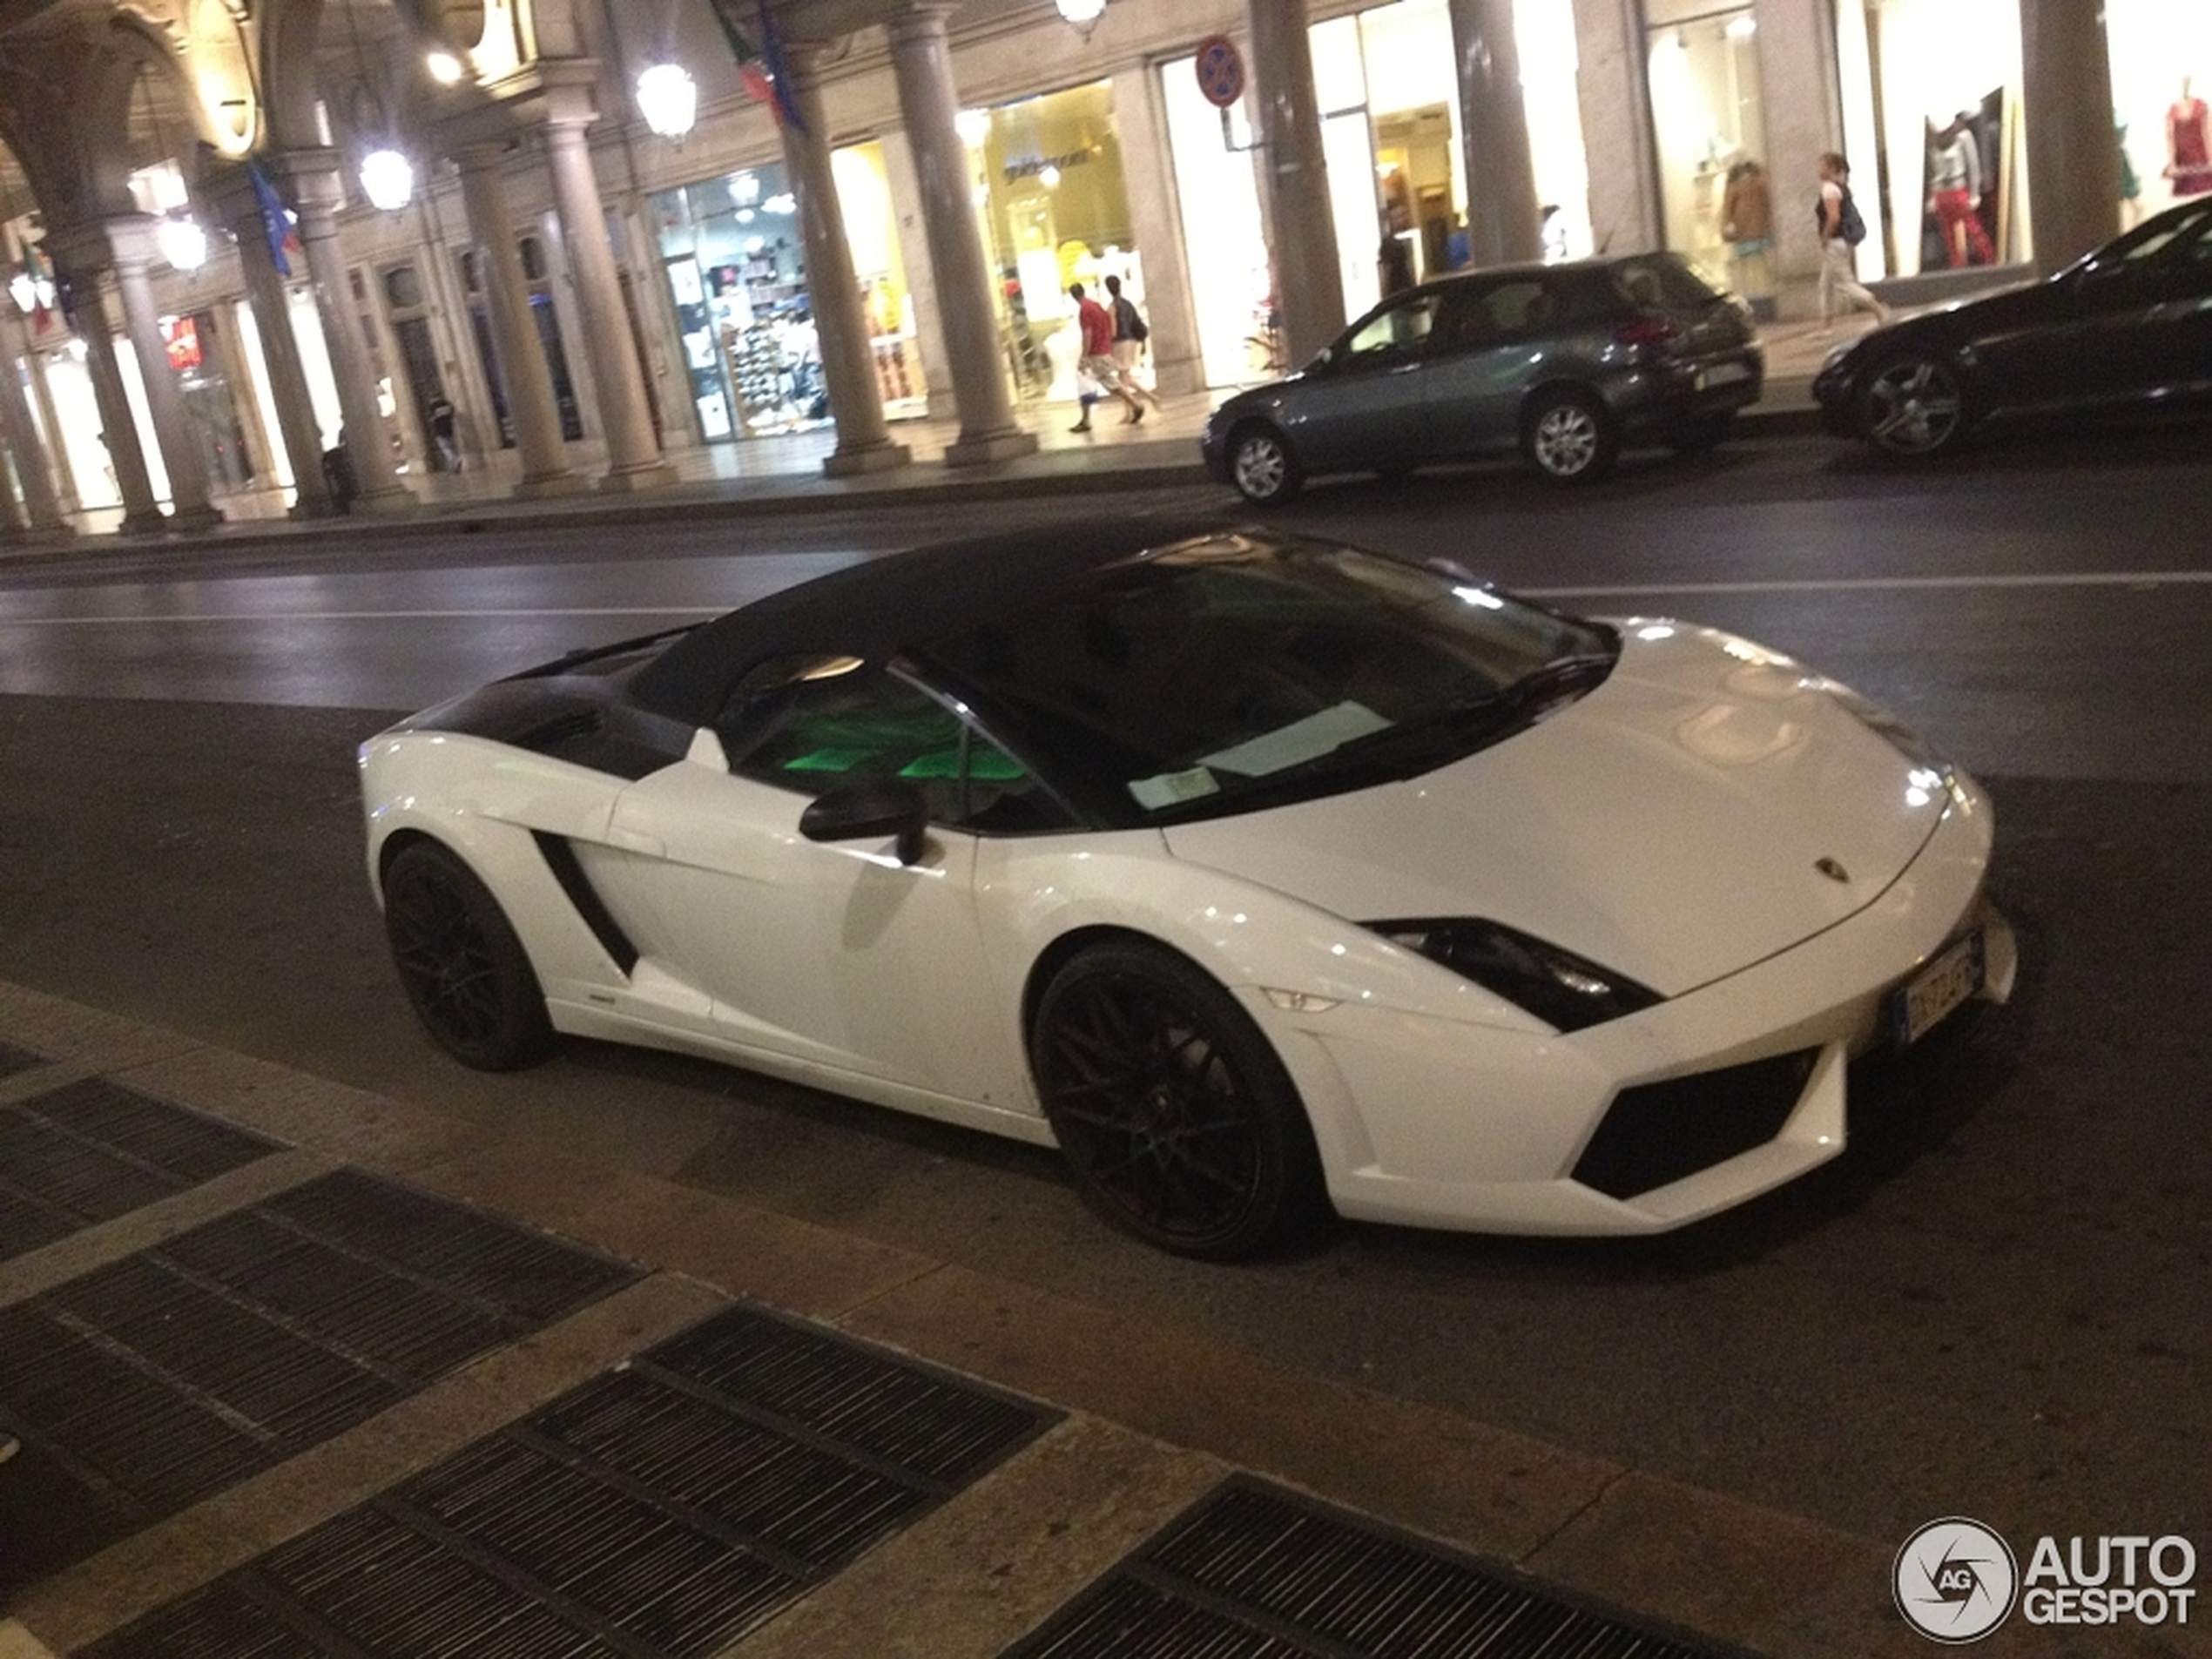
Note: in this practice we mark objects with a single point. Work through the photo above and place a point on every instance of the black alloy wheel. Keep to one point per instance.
(1912, 408)
(1570, 436)
(1262, 466)
(464, 970)
(1175, 1116)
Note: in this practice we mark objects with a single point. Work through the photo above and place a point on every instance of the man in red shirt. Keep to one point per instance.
(1098, 358)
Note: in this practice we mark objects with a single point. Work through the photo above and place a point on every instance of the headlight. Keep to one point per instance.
(1559, 988)
(1885, 726)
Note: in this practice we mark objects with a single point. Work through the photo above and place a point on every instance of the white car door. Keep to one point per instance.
(836, 955)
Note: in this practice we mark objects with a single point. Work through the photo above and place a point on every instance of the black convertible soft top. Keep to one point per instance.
(874, 609)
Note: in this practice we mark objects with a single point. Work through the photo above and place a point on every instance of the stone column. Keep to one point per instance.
(1503, 225)
(1615, 98)
(1145, 164)
(633, 453)
(922, 62)
(1804, 116)
(832, 285)
(2073, 158)
(272, 303)
(77, 255)
(921, 281)
(318, 191)
(523, 371)
(1294, 170)
(190, 508)
(41, 505)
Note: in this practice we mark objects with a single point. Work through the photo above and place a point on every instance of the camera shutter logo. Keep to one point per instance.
(1955, 1580)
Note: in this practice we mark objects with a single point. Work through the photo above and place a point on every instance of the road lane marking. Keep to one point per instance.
(680, 613)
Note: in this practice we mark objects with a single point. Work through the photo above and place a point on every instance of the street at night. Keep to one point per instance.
(1991, 1305)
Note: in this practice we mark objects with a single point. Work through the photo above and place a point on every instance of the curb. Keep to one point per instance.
(778, 495)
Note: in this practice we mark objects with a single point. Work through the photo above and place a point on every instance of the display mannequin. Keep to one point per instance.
(1747, 220)
(1954, 194)
(2189, 144)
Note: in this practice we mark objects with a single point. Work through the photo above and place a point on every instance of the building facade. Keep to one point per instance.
(881, 204)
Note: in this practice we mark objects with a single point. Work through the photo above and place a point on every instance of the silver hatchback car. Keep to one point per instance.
(1564, 361)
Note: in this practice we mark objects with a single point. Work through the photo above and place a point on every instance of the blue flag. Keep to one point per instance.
(276, 219)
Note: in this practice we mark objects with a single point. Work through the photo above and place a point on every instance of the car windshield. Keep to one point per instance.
(1228, 675)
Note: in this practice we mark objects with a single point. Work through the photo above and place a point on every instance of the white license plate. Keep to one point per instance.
(1922, 1003)
(1722, 374)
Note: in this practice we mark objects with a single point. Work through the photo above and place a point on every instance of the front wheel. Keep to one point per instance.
(464, 970)
(1262, 466)
(1177, 1118)
(1570, 436)
(1913, 408)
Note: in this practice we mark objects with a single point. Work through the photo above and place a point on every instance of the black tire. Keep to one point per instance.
(1913, 408)
(1570, 436)
(1177, 1118)
(1703, 436)
(1262, 466)
(463, 969)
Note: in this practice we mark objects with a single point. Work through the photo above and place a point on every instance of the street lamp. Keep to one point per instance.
(182, 243)
(1083, 13)
(668, 99)
(388, 180)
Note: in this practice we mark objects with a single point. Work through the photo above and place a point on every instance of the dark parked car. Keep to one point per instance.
(2129, 328)
(1565, 361)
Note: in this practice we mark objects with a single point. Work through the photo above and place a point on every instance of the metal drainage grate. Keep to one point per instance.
(145, 1387)
(666, 1507)
(1252, 1572)
(93, 1150)
(13, 1060)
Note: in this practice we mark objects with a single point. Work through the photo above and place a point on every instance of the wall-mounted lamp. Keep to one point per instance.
(668, 99)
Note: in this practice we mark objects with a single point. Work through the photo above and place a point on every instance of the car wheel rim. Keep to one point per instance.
(446, 961)
(1151, 1111)
(1913, 408)
(1566, 440)
(1260, 467)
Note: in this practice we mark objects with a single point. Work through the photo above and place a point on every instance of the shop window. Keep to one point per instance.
(735, 263)
(2162, 100)
(1050, 193)
(1931, 127)
(1709, 120)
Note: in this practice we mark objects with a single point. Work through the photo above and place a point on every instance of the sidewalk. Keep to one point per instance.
(1137, 1420)
(782, 473)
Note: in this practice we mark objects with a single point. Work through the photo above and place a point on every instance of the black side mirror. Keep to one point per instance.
(866, 809)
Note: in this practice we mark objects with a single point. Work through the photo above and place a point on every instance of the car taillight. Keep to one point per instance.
(1646, 331)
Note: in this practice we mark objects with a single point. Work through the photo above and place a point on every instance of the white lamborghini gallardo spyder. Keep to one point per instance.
(1255, 871)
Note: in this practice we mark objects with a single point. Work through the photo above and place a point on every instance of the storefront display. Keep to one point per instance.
(2161, 52)
(733, 251)
(1055, 211)
(1933, 86)
(1708, 119)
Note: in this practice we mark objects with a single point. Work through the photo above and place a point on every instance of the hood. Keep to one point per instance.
(1689, 817)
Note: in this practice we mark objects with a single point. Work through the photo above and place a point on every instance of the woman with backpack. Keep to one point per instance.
(1841, 231)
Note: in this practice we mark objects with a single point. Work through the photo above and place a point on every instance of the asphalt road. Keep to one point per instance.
(1994, 1304)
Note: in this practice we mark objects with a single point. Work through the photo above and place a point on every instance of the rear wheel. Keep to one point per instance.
(1912, 408)
(464, 970)
(1570, 436)
(1262, 466)
(1177, 1121)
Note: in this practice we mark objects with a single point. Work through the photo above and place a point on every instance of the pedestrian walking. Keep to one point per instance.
(1096, 324)
(1128, 330)
(1841, 231)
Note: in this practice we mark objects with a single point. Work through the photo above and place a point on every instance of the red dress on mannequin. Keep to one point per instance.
(2190, 145)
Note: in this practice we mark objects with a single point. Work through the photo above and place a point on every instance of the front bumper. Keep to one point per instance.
(1430, 1123)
